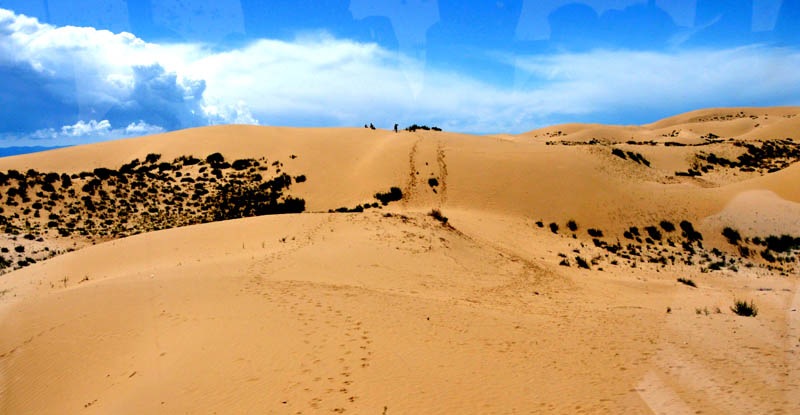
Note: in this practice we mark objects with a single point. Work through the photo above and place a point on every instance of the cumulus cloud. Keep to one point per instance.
(52, 78)
(86, 132)
(71, 73)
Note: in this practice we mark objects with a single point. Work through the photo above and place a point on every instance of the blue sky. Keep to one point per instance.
(87, 70)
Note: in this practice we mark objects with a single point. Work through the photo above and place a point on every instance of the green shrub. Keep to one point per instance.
(744, 309)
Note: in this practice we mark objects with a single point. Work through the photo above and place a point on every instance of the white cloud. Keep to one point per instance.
(347, 83)
(606, 81)
(70, 73)
(136, 129)
(82, 129)
(86, 132)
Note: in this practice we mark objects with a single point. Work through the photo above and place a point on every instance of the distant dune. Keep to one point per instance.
(138, 281)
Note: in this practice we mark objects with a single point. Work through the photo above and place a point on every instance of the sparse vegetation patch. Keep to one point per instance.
(744, 309)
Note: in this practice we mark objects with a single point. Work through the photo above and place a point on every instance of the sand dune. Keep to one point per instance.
(740, 122)
(392, 311)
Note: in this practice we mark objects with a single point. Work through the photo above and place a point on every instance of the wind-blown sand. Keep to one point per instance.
(388, 311)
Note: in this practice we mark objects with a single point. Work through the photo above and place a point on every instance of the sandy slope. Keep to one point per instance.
(739, 122)
(376, 313)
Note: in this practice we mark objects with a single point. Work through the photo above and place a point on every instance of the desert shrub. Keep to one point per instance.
(394, 194)
(152, 158)
(554, 227)
(653, 233)
(582, 262)
(215, 158)
(237, 199)
(434, 128)
(638, 158)
(687, 281)
(732, 235)
(597, 233)
(188, 160)
(242, 164)
(571, 225)
(300, 179)
(689, 232)
(767, 255)
(4, 263)
(19, 248)
(783, 243)
(66, 181)
(634, 230)
(51, 178)
(436, 214)
(103, 173)
(91, 185)
(744, 309)
(744, 251)
(128, 168)
(433, 182)
(619, 153)
(540, 224)
(627, 235)
(667, 226)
